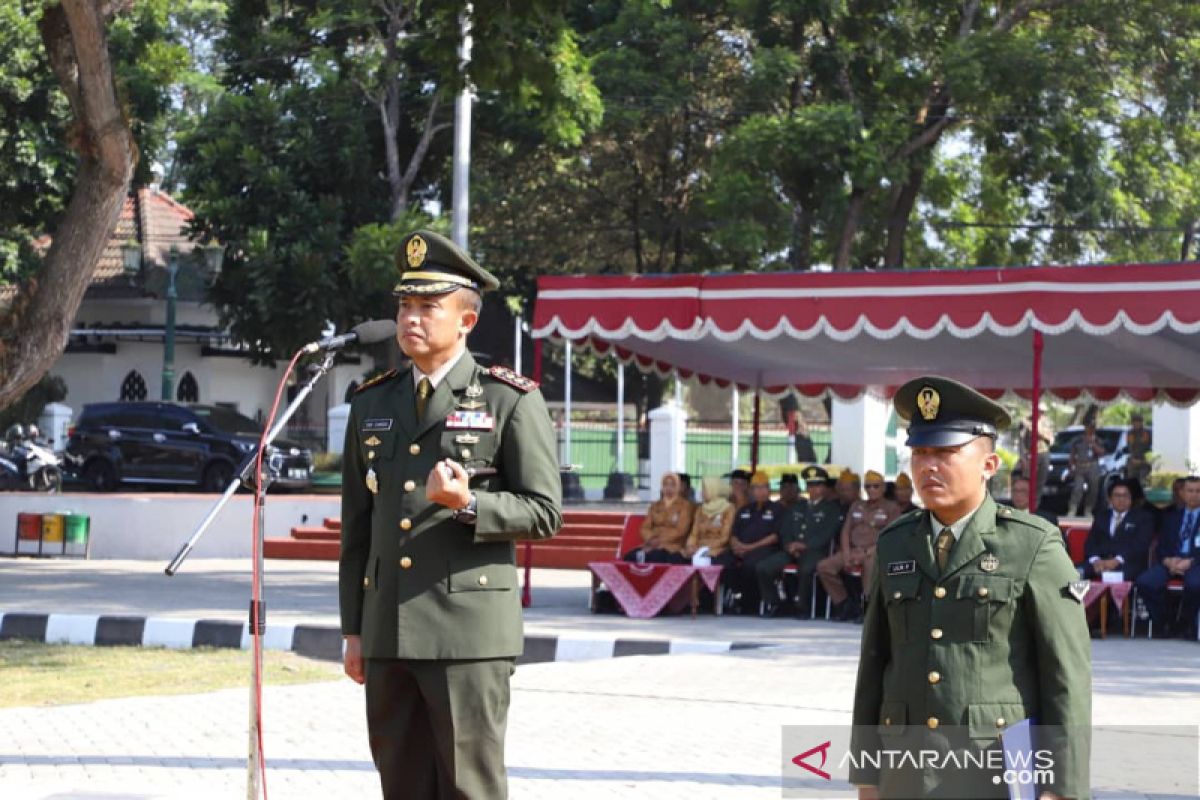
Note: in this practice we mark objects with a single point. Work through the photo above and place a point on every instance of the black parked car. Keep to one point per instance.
(165, 443)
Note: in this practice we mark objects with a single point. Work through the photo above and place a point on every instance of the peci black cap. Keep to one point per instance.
(789, 477)
(941, 412)
(739, 474)
(429, 263)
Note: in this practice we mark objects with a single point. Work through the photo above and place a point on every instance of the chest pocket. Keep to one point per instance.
(471, 448)
(901, 593)
(989, 601)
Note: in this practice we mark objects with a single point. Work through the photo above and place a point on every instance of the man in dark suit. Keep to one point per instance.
(1178, 546)
(1120, 537)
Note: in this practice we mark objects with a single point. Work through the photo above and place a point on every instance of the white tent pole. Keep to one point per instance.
(517, 344)
(567, 401)
(462, 139)
(620, 417)
(733, 427)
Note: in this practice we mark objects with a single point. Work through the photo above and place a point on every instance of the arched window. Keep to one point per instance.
(133, 387)
(189, 389)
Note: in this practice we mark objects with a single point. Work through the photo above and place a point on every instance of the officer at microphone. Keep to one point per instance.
(446, 465)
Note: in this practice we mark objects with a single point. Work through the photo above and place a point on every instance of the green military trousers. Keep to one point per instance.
(437, 727)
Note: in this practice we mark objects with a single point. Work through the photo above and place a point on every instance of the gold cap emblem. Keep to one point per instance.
(928, 401)
(415, 251)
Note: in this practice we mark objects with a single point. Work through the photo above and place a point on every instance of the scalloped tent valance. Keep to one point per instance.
(1110, 332)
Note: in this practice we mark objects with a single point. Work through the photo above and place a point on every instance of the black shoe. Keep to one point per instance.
(1164, 631)
(851, 610)
(768, 610)
(802, 611)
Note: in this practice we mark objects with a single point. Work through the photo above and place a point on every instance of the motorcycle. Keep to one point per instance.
(27, 464)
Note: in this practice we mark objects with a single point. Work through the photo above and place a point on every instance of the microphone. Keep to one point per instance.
(376, 330)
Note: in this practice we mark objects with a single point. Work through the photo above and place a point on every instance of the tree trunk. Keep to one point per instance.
(898, 218)
(800, 255)
(845, 247)
(34, 329)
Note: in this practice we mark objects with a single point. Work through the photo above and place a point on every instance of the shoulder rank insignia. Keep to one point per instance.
(506, 375)
(1079, 589)
(378, 379)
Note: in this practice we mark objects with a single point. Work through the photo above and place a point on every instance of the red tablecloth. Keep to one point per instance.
(644, 590)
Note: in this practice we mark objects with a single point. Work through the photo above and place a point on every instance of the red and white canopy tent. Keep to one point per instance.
(1080, 332)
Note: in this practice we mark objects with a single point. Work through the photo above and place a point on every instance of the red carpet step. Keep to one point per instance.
(585, 536)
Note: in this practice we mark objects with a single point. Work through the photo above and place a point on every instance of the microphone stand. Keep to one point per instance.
(258, 611)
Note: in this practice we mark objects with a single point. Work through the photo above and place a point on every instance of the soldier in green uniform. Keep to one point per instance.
(446, 464)
(804, 536)
(974, 622)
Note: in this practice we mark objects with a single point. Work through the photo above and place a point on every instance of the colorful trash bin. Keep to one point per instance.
(52, 529)
(29, 534)
(76, 534)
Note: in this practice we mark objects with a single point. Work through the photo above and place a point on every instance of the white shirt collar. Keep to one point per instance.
(958, 527)
(439, 374)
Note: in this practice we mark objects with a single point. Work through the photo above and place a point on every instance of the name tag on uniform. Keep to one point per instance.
(476, 420)
(901, 567)
(377, 425)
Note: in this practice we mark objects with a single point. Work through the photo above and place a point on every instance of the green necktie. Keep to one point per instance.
(943, 545)
(424, 389)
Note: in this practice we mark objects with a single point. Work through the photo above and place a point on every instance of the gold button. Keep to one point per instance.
(932, 722)
(1000, 722)
(983, 592)
(483, 580)
(405, 524)
(405, 562)
(897, 595)
(887, 721)
(939, 592)
(410, 485)
(415, 449)
(466, 453)
(370, 454)
(936, 633)
(366, 582)
(935, 677)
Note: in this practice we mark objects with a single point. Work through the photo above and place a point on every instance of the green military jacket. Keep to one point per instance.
(414, 582)
(791, 524)
(998, 638)
(822, 525)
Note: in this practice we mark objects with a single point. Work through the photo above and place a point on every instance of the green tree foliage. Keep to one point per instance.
(327, 138)
(760, 134)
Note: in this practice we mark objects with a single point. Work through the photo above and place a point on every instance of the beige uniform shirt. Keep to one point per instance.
(670, 523)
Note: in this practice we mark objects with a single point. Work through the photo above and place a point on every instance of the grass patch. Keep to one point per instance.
(36, 674)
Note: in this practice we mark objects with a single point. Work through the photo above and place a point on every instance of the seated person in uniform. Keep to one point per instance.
(856, 551)
(903, 491)
(848, 489)
(755, 537)
(739, 487)
(1019, 494)
(1119, 540)
(712, 523)
(666, 526)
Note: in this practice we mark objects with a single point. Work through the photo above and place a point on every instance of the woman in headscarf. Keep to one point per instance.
(713, 523)
(666, 526)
